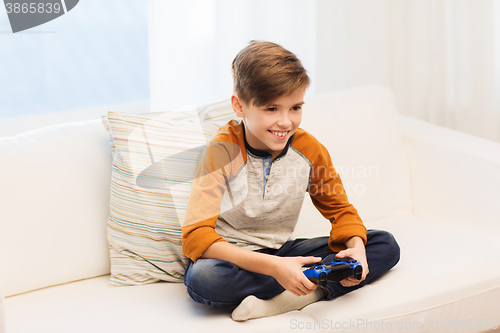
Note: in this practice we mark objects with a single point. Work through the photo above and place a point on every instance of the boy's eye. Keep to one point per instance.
(296, 108)
(271, 109)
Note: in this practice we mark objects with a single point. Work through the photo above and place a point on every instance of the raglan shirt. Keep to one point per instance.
(242, 196)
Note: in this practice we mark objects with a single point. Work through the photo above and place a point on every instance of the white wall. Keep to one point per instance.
(193, 43)
(352, 47)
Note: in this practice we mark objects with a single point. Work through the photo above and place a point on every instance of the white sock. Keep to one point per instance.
(252, 307)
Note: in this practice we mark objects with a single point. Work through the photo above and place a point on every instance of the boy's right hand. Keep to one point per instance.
(288, 272)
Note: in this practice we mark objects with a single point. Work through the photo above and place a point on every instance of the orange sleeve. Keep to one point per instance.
(214, 169)
(328, 196)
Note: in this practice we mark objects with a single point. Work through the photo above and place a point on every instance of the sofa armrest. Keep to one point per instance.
(2, 310)
(455, 176)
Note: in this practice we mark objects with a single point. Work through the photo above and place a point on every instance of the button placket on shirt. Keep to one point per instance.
(267, 170)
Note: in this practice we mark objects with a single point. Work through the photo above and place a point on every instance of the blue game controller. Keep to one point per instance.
(334, 269)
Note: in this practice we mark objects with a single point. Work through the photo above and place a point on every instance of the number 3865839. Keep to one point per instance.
(32, 8)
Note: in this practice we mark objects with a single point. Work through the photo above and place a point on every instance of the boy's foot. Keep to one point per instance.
(252, 307)
(248, 306)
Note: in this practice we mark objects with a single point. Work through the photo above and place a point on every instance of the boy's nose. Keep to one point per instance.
(284, 121)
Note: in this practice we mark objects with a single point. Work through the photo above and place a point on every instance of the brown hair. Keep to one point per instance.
(264, 71)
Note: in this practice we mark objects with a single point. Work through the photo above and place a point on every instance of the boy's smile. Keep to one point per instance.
(269, 127)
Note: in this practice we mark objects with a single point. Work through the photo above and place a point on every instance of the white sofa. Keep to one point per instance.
(437, 191)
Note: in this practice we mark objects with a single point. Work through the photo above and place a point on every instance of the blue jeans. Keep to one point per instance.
(220, 283)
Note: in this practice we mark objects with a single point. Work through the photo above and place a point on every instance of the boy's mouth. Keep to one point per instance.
(279, 134)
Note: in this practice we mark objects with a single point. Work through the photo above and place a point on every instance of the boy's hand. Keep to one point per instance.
(288, 272)
(355, 250)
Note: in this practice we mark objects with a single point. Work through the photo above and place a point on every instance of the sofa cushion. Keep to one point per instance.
(54, 201)
(92, 306)
(155, 156)
(360, 129)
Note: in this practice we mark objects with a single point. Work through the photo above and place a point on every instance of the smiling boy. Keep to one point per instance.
(247, 194)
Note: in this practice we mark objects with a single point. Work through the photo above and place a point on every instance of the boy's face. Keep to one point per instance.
(282, 115)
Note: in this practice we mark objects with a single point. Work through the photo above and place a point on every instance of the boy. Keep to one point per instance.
(246, 198)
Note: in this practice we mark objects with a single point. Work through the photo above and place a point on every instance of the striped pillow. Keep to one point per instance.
(154, 161)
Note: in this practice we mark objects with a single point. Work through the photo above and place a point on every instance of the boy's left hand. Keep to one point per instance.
(355, 250)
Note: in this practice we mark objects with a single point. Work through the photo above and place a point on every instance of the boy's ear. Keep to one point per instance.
(237, 105)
